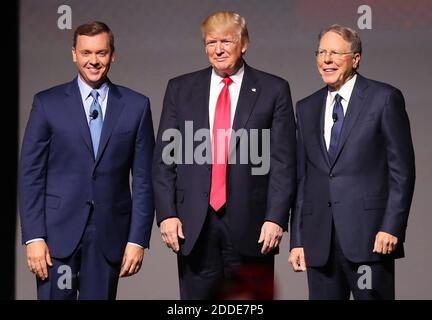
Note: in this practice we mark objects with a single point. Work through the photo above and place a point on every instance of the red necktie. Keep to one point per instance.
(222, 122)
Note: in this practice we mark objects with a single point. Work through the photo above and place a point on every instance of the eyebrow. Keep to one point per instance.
(98, 51)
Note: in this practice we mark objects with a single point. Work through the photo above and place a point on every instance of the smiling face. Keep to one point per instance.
(338, 64)
(224, 51)
(93, 57)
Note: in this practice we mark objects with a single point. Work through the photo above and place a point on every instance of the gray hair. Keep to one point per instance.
(349, 35)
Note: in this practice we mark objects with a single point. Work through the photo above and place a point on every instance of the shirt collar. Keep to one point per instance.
(346, 90)
(236, 77)
(85, 89)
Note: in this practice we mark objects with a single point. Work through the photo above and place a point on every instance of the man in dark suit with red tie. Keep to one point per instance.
(356, 177)
(223, 216)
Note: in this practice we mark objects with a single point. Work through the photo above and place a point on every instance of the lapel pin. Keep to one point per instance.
(253, 89)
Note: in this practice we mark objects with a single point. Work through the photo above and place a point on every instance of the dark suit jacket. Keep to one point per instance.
(183, 190)
(370, 185)
(60, 179)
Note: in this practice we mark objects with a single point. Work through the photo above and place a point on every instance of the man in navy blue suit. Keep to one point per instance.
(81, 225)
(356, 176)
(222, 216)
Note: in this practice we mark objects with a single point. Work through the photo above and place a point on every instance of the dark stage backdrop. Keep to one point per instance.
(160, 39)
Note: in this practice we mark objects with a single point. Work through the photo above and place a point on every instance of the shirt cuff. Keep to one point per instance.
(136, 244)
(34, 240)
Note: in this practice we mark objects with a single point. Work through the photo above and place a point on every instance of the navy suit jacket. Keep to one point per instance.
(370, 185)
(183, 190)
(60, 179)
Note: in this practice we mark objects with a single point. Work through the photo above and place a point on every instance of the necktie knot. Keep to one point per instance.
(227, 81)
(94, 94)
(338, 98)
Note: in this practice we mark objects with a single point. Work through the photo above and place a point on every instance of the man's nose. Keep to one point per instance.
(93, 59)
(328, 58)
(219, 49)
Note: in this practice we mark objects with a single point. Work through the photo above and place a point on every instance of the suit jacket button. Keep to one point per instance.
(331, 175)
(329, 204)
(94, 176)
(205, 194)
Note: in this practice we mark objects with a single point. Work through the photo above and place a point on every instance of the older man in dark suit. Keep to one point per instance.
(221, 216)
(356, 177)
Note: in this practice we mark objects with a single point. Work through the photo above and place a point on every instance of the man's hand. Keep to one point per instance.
(297, 260)
(385, 243)
(171, 230)
(271, 236)
(38, 257)
(132, 260)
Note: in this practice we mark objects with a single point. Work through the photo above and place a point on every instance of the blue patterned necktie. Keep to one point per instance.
(338, 118)
(96, 121)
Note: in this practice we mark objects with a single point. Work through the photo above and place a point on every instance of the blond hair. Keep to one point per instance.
(224, 21)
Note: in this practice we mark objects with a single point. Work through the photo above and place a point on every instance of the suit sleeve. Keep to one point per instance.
(282, 175)
(32, 173)
(164, 173)
(295, 239)
(142, 194)
(401, 165)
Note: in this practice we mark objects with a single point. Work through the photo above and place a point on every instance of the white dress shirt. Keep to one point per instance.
(345, 92)
(216, 86)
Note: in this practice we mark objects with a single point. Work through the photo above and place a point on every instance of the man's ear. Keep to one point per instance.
(74, 58)
(244, 48)
(356, 62)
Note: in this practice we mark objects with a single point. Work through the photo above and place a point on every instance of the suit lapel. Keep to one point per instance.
(200, 100)
(322, 101)
(112, 114)
(78, 117)
(248, 95)
(355, 106)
